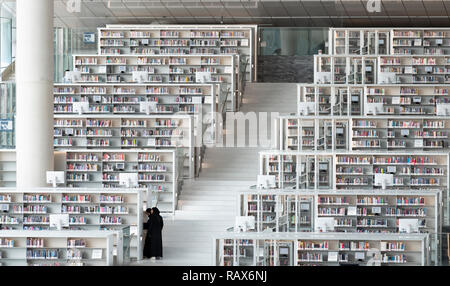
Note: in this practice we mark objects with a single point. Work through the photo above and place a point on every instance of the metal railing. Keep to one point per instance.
(7, 115)
(8, 72)
(7, 128)
(224, 102)
(242, 81)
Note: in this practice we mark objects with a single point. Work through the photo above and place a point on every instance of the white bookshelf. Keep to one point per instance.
(380, 99)
(89, 209)
(389, 41)
(356, 170)
(158, 172)
(327, 99)
(414, 69)
(389, 69)
(319, 169)
(379, 211)
(359, 41)
(56, 248)
(379, 106)
(199, 100)
(349, 209)
(273, 211)
(298, 170)
(345, 69)
(419, 100)
(130, 132)
(7, 168)
(393, 133)
(182, 39)
(325, 249)
(161, 69)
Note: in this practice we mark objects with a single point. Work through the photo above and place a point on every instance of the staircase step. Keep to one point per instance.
(202, 182)
(188, 228)
(202, 213)
(213, 208)
(208, 202)
(212, 191)
(185, 261)
(200, 237)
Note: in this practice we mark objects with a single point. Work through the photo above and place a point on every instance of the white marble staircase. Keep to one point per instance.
(208, 204)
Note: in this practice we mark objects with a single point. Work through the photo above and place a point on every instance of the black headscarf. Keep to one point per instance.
(155, 211)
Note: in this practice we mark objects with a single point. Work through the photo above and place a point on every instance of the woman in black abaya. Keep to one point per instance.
(153, 240)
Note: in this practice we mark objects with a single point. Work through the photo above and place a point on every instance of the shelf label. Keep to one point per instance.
(89, 37)
(6, 125)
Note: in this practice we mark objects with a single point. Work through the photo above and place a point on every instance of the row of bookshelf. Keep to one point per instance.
(301, 249)
(200, 39)
(353, 210)
(128, 132)
(328, 169)
(181, 70)
(363, 133)
(88, 209)
(158, 171)
(157, 33)
(63, 248)
(387, 41)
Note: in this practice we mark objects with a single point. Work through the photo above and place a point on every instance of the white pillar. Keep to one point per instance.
(34, 91)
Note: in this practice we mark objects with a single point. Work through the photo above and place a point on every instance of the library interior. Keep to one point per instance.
(266, 132)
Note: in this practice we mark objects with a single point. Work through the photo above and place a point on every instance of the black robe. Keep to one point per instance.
(153, 241)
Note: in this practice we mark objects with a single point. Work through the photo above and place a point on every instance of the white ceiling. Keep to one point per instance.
(96, 13)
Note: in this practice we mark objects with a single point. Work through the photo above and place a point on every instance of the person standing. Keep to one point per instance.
(147, 241)
(153, 240)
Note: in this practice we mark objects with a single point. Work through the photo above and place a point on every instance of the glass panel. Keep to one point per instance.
(341, 136)
(339, 70)
(341, 102)
(68, 42)
(339, 44)
(7, 114)
(6, 42)
(370, 66)
(325, 135)
(324, 98)
(304, 214)
(310, 169)
(293, 41)
(285, 253)
(317, 40)
(324, 173)
(355, 75)
(245, 252)
(354, 43)
(356, 100)
(383, 43)
(283, 214)
(371, 43)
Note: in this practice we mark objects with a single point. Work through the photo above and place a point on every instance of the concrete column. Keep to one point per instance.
(34, 91)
